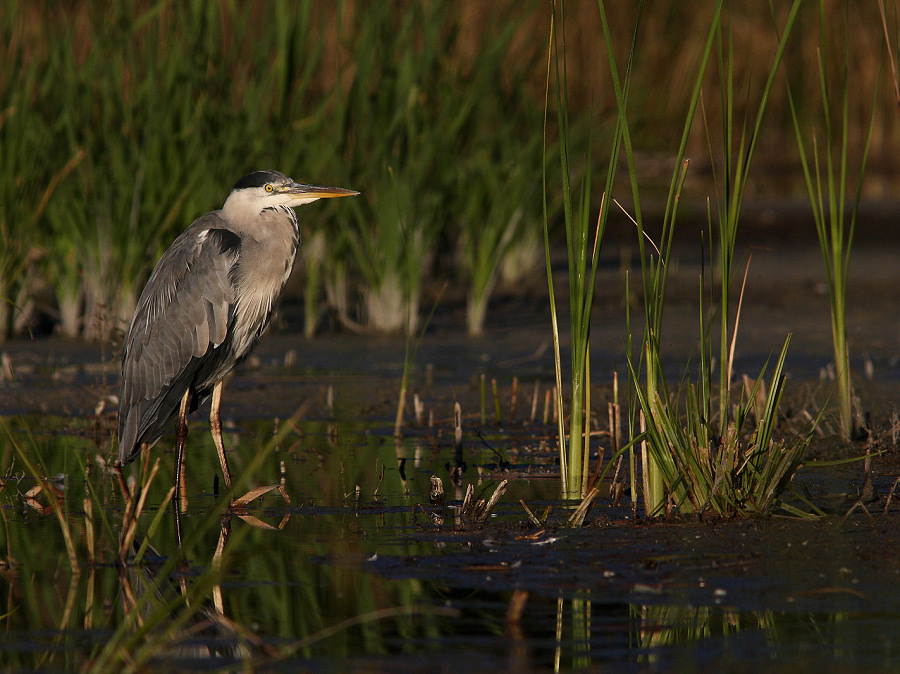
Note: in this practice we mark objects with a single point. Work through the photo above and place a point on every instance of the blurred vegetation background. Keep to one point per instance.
(120, 122)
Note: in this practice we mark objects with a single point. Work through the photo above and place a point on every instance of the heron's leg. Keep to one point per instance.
(180, 439)
(215, 427)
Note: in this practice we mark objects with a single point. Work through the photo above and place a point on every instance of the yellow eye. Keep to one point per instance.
(269, 188)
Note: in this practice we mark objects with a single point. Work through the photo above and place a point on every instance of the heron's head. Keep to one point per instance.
(263, 189)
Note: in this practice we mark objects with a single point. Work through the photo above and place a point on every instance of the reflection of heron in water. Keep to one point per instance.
(155, 590)
(149, 589)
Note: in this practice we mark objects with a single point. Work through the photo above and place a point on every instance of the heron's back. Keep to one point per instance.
(179, 336)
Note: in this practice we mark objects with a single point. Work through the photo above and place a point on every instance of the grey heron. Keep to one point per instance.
(205, 306)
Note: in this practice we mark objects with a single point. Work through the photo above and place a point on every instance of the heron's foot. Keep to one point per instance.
(239, 505)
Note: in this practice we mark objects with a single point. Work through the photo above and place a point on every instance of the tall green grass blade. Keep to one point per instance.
(826, 186)
(554, 321)
(654, 273)
(582, 256)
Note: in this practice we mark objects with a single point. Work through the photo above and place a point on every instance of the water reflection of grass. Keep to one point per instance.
(63, 572)
(367, 575)
(304, 589)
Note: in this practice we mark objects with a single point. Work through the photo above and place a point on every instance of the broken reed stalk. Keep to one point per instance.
(477, 512)
(380, 479)
(512, 402)
(494, 499)
(436, 496)
(616, 487)
(436, 499)
(498, 412)
(890, 496)
(483, 401)
(531, 516)
(620, 486)
(418, 409)
(401, 406)
(578, 515)
(409, 359)
(895, 427)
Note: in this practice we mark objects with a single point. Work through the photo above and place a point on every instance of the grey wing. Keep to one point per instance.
(182, 317)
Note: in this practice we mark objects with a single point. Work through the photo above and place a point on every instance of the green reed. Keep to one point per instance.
(583, 242)
(118, 125)
(699, 450)
(432, 144)
(654, 270)
(825, 172)
(158, 136)
(23, 140)
(499, 199)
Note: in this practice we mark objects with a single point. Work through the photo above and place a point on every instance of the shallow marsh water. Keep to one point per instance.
(365, 574)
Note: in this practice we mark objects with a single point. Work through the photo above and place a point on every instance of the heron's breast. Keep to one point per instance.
(261, 276)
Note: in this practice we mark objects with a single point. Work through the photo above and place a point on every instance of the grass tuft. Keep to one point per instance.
(826, 173)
